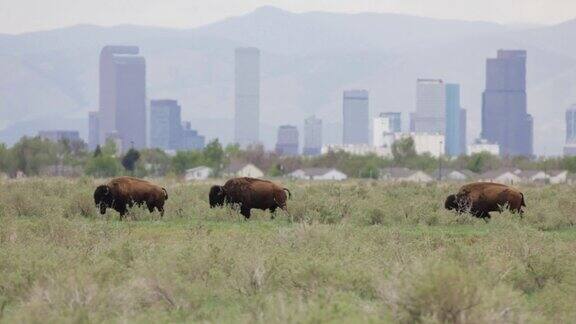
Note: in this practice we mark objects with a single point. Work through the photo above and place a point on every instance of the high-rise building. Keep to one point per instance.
(430, 116)
(165, 124)
(570, 147)
(287, 142)
(122, 96)
(395, 121)
(355, 117)
(455, 122)
(59, 135)
(191, 140)
(312, 136)
(93, 130)
(247, 96)
(383, 128)
(463, 130)
(505, 120)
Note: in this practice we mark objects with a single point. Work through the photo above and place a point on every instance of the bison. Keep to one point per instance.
(249, 193)
(481, 198)
(123, 192)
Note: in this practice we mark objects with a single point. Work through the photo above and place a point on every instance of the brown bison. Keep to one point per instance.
(481, 198)
(123, 192)
(248, 193)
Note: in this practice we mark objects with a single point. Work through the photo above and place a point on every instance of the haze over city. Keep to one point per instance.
(310, 54)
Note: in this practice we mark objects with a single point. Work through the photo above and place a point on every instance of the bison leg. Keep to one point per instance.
(272, 212)
(245, 212)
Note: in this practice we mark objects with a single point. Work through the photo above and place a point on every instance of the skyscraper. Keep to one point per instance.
(287, 142)
(355, 117)
(93, 130)
(570, 147)
(395, 119)
(247, 96)
(191, 140)
(165, 124)
(122, 96)
(383, 129)
(455, 122)
(430, 116)
(505, 120)
(312, 136)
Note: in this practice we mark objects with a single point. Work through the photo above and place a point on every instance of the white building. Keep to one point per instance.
(426, 143)
(501, 176)
(482, 145)
(533, 176)
(383, 128)
(247, 96)
(198, 173)
(405, 175)
(558, 176)
(318, 174)
(430, 116)
(358, 149)
(243, 170)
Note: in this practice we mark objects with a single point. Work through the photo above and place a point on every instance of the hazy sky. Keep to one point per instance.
(17, 16)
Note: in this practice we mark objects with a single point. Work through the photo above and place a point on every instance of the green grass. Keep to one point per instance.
(346, 252)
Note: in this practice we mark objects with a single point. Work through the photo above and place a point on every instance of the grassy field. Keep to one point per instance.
(346, 252)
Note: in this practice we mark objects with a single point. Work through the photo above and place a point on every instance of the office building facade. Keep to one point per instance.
(247, 96)
(455, 122)
(287, 141)
(312, 136)
(430, 115)
(355, 117)
(505, 120)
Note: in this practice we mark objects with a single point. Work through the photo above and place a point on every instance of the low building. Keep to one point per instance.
(198, 173)
(318, 174)
(404, 175)
(558, 176)
(501, 176)
(454, 175)
(482, 145)
(236, 169)
(531, 176)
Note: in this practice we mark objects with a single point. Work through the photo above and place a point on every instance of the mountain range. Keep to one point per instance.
(50, 78)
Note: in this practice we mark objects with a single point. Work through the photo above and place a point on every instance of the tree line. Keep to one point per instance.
(35, 156)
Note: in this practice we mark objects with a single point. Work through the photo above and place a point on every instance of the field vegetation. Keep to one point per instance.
(357, 251)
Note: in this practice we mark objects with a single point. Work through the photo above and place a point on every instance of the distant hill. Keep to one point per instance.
(307, 60)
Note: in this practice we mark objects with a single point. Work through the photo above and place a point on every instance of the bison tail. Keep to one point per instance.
(523, 203)
(165, 193)
(288, 191)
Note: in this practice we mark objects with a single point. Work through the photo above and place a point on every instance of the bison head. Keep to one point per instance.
(217, 196)
(103, 198)
(458, 202)
(450, 202)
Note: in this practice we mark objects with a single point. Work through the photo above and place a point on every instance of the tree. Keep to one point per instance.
(213, 154)
(153, 162)
(97, 151)
(31, 154)
(129, 160)
(103, 166)
(184, 160)
(403, 150)
(482, 162)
